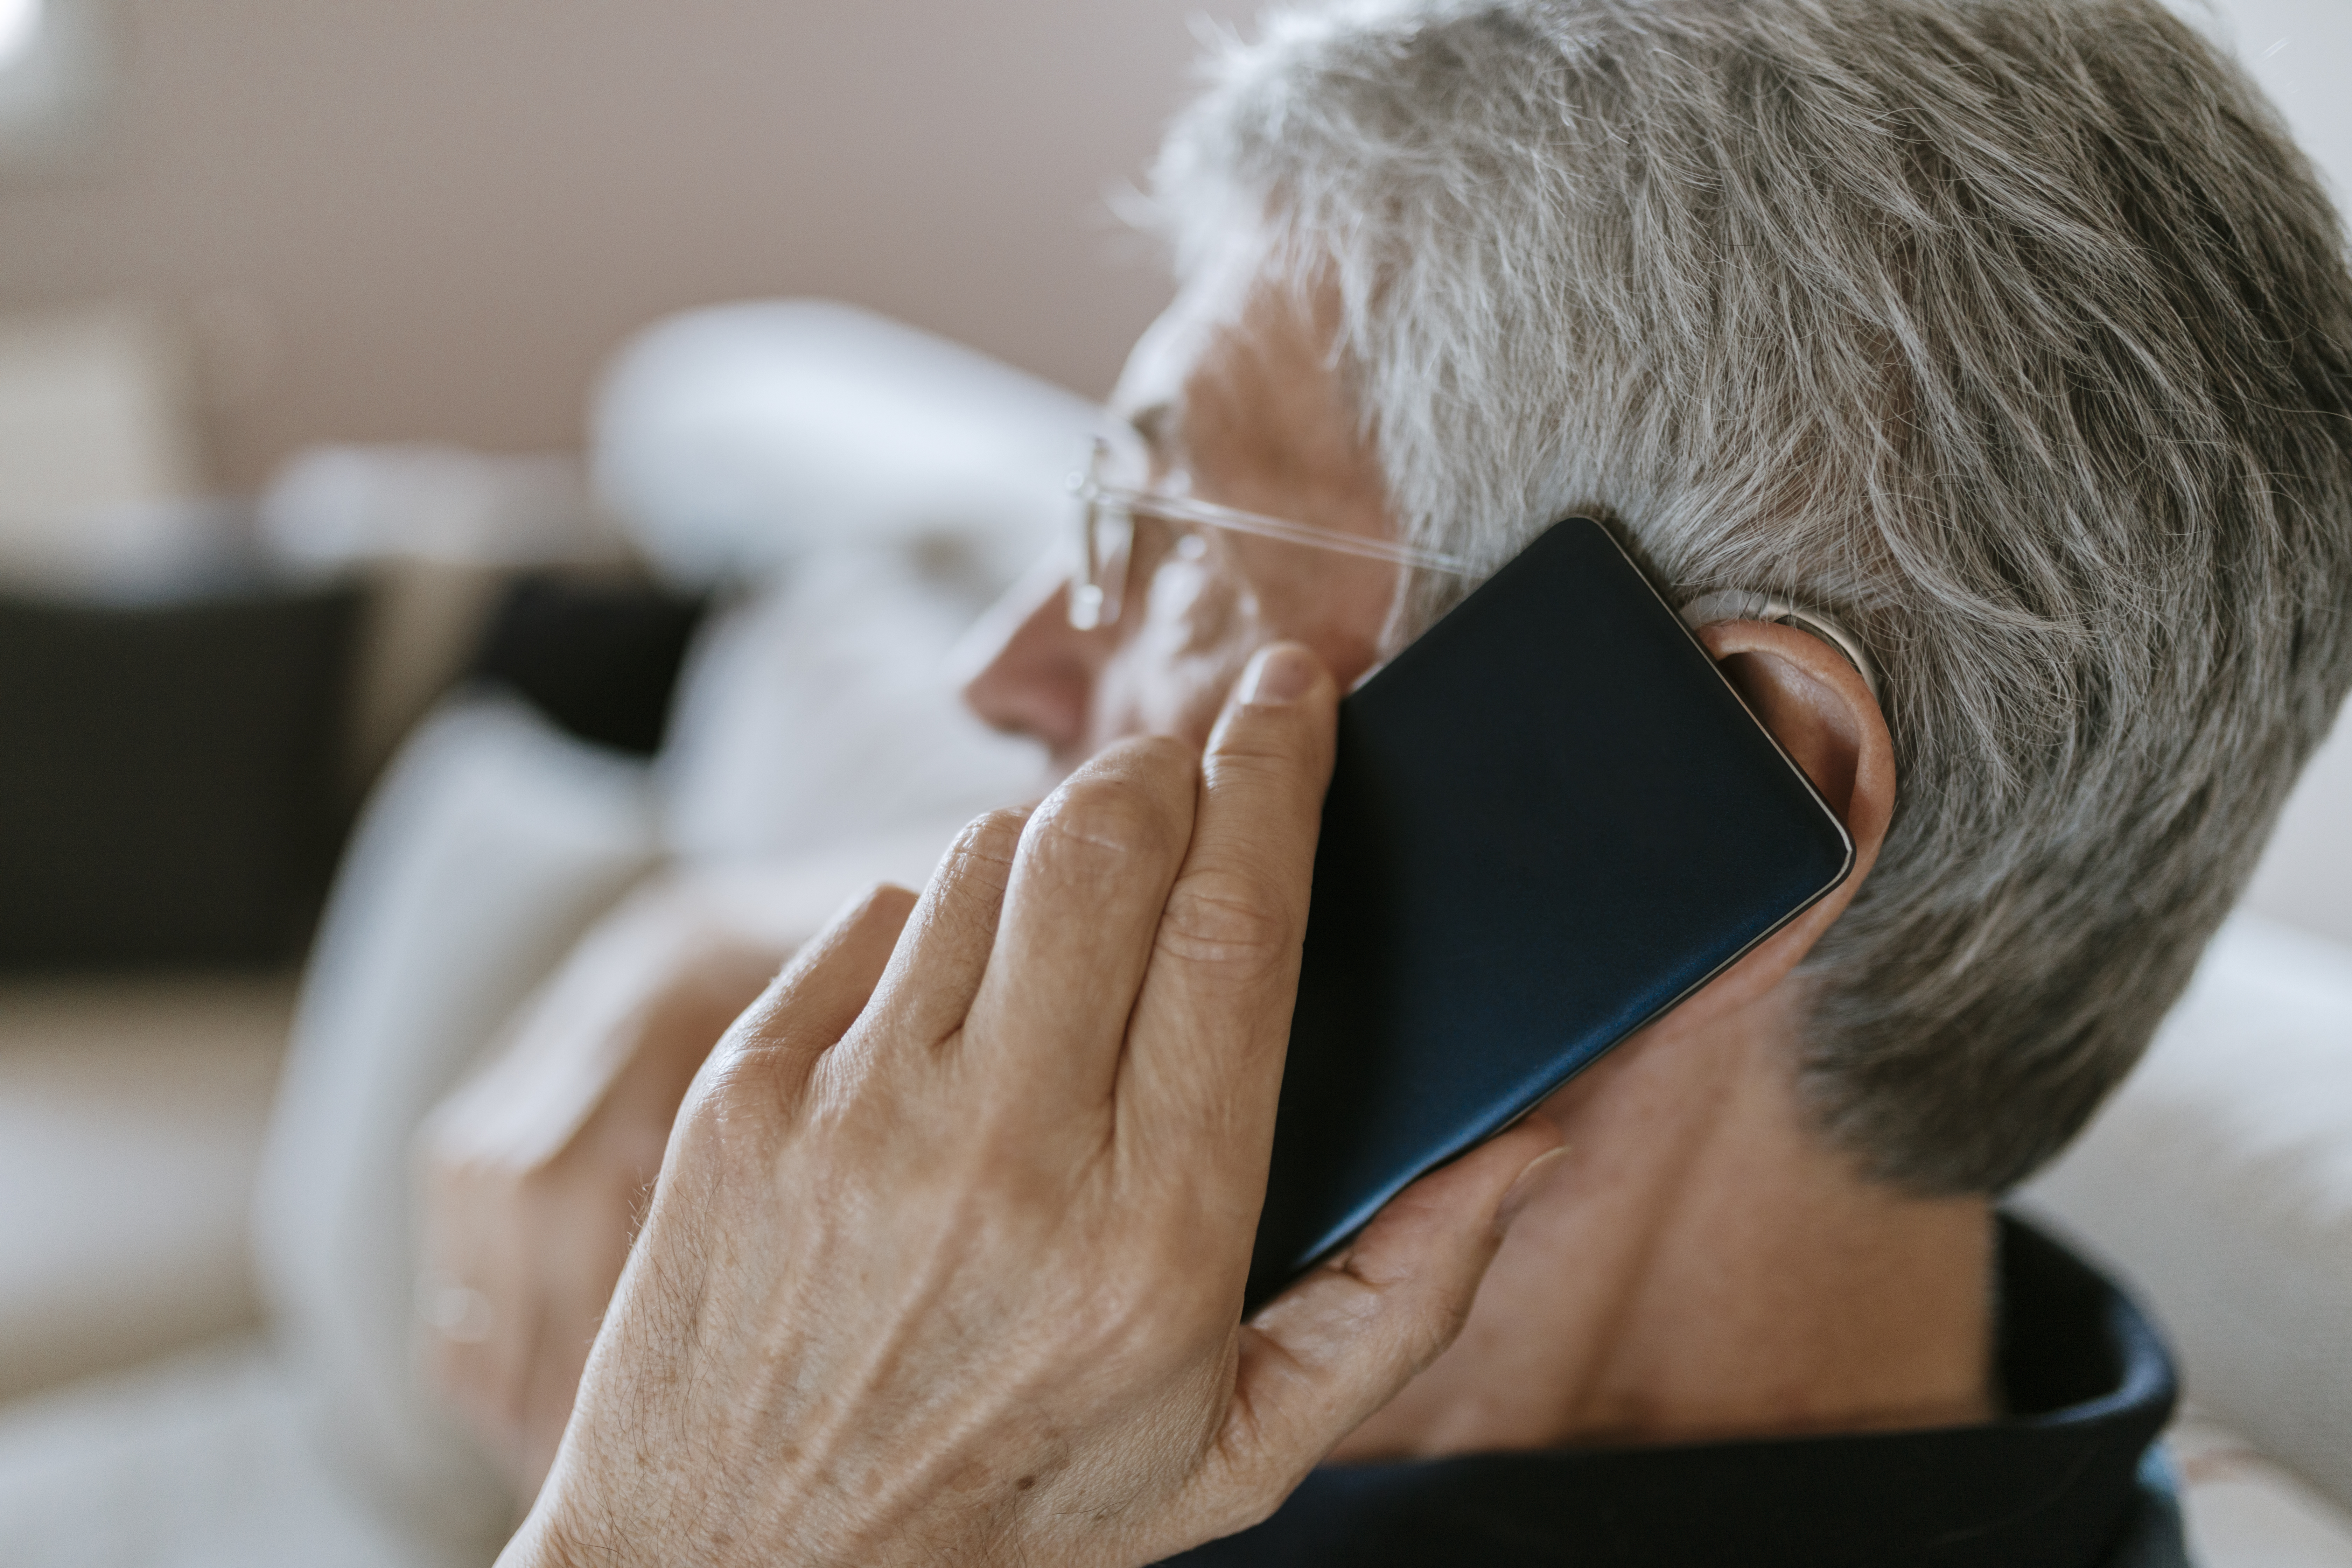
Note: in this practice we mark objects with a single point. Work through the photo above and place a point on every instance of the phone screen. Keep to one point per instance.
(1550, 819)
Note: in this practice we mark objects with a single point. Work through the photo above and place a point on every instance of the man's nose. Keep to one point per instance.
(1024, 667)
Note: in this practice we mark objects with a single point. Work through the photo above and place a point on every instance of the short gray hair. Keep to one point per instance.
(2016, 333)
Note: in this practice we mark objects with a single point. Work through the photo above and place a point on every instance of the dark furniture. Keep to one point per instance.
(170, 772)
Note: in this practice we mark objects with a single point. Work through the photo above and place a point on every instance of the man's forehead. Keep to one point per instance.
(1149, 398)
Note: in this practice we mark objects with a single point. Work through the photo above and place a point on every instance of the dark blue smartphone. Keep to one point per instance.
(1550, 819)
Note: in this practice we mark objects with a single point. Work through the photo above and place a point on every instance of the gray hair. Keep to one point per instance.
(2015, 333)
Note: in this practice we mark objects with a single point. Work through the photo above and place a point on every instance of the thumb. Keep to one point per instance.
(1325, 1354)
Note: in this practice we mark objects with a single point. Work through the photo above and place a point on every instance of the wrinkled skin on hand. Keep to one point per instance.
(946, 1259)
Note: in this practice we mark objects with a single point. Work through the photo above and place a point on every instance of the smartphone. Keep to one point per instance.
(1550, 819)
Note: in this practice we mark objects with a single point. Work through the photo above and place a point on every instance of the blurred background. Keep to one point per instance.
(435, 220)
(235, 231)
(480, 445)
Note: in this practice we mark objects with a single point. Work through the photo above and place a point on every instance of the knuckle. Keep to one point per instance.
(1106, 823)
(1250, 753)
(1430, 1313)
(1227, 921)
(966, 890)
(990, 839)
(1159, 757)
(1258, 753)
(736, 1104)
(1437, 1329)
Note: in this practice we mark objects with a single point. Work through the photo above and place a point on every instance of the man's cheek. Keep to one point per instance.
(1172, 675)
(1116, 705)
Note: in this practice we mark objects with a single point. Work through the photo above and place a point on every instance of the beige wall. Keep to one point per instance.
(433, 218)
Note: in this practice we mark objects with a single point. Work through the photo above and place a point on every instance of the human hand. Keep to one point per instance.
(947, 1256)
(534, 1174)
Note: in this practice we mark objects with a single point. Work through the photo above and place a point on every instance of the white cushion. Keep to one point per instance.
(734, 439)
(2220, 1180)
(490, 847)
(2242, 1510)
(203, 1461)
(822, 712)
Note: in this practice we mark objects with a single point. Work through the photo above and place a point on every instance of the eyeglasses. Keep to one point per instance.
(1106, 515)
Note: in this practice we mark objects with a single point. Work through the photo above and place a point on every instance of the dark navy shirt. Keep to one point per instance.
(2070, 1477)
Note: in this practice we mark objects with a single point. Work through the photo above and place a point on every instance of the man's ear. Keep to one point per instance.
(1820, 711)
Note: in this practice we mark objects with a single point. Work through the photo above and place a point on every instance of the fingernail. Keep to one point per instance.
(1278, 675)
(1524, 1189)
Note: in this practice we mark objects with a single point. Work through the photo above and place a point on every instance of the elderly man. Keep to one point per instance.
(2012, 334)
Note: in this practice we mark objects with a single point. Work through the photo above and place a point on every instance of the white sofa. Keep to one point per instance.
(2218, 1183)
(884, 482)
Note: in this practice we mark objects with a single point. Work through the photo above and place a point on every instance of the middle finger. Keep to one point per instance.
(1092, 873)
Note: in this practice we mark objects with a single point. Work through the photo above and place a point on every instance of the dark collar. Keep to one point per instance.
(2052, 1484)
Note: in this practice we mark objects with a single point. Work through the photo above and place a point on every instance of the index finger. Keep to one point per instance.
(1203, 1066)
